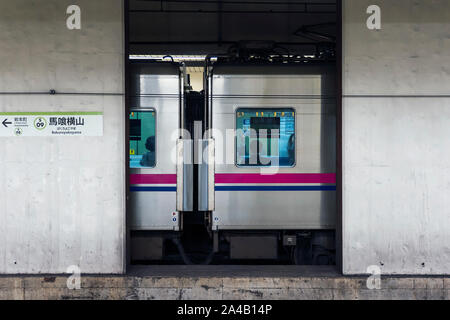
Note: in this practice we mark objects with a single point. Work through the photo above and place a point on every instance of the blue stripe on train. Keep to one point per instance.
(242, 188)
(153, 189)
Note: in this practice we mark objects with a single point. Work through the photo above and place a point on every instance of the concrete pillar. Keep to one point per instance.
(62, 198)
(396, 145)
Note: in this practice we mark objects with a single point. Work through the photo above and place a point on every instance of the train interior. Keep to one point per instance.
(267, 70)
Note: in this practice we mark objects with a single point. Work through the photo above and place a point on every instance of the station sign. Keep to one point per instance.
(55, 124)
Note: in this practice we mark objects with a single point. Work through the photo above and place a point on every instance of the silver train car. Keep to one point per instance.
(300, 193)
(269, 190)
(292, 187)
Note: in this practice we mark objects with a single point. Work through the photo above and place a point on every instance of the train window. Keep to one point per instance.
(142, 139)
(265, 137)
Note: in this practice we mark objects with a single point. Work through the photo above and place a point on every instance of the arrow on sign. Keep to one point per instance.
(5, 123)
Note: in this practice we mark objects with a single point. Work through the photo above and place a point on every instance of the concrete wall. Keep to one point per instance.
(62, 198)
(396, 138)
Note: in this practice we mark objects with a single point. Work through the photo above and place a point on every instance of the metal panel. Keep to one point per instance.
(309, 91)
(206, 176)
(253, 247)
(185, 175)
(276, 210)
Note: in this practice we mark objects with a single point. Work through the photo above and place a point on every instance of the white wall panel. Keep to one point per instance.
(62, 198)
(396, 138)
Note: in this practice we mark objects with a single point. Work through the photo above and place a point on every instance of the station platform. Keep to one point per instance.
(225, 283)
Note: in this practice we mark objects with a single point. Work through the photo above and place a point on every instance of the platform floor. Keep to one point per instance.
(225, 283)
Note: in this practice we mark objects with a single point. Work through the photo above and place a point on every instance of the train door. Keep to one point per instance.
(157, 177)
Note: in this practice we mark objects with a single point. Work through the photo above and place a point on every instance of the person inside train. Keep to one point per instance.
(148, 159)
(291, 149)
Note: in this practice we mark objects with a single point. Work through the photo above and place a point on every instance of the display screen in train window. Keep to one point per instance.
(142, 139)
(265, 137)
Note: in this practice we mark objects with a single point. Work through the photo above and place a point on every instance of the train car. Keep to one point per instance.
(268, 192)
(279, 188)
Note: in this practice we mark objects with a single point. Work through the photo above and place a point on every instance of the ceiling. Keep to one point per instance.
(211, 26)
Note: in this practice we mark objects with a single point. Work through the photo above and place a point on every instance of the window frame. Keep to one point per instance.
(145, 109)
(236, 110)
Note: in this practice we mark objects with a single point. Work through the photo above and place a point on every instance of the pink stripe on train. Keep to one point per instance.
(153, 178)
(276, 178)
(241, 178)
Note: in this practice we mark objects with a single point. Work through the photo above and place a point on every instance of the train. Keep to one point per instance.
(243, 171)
